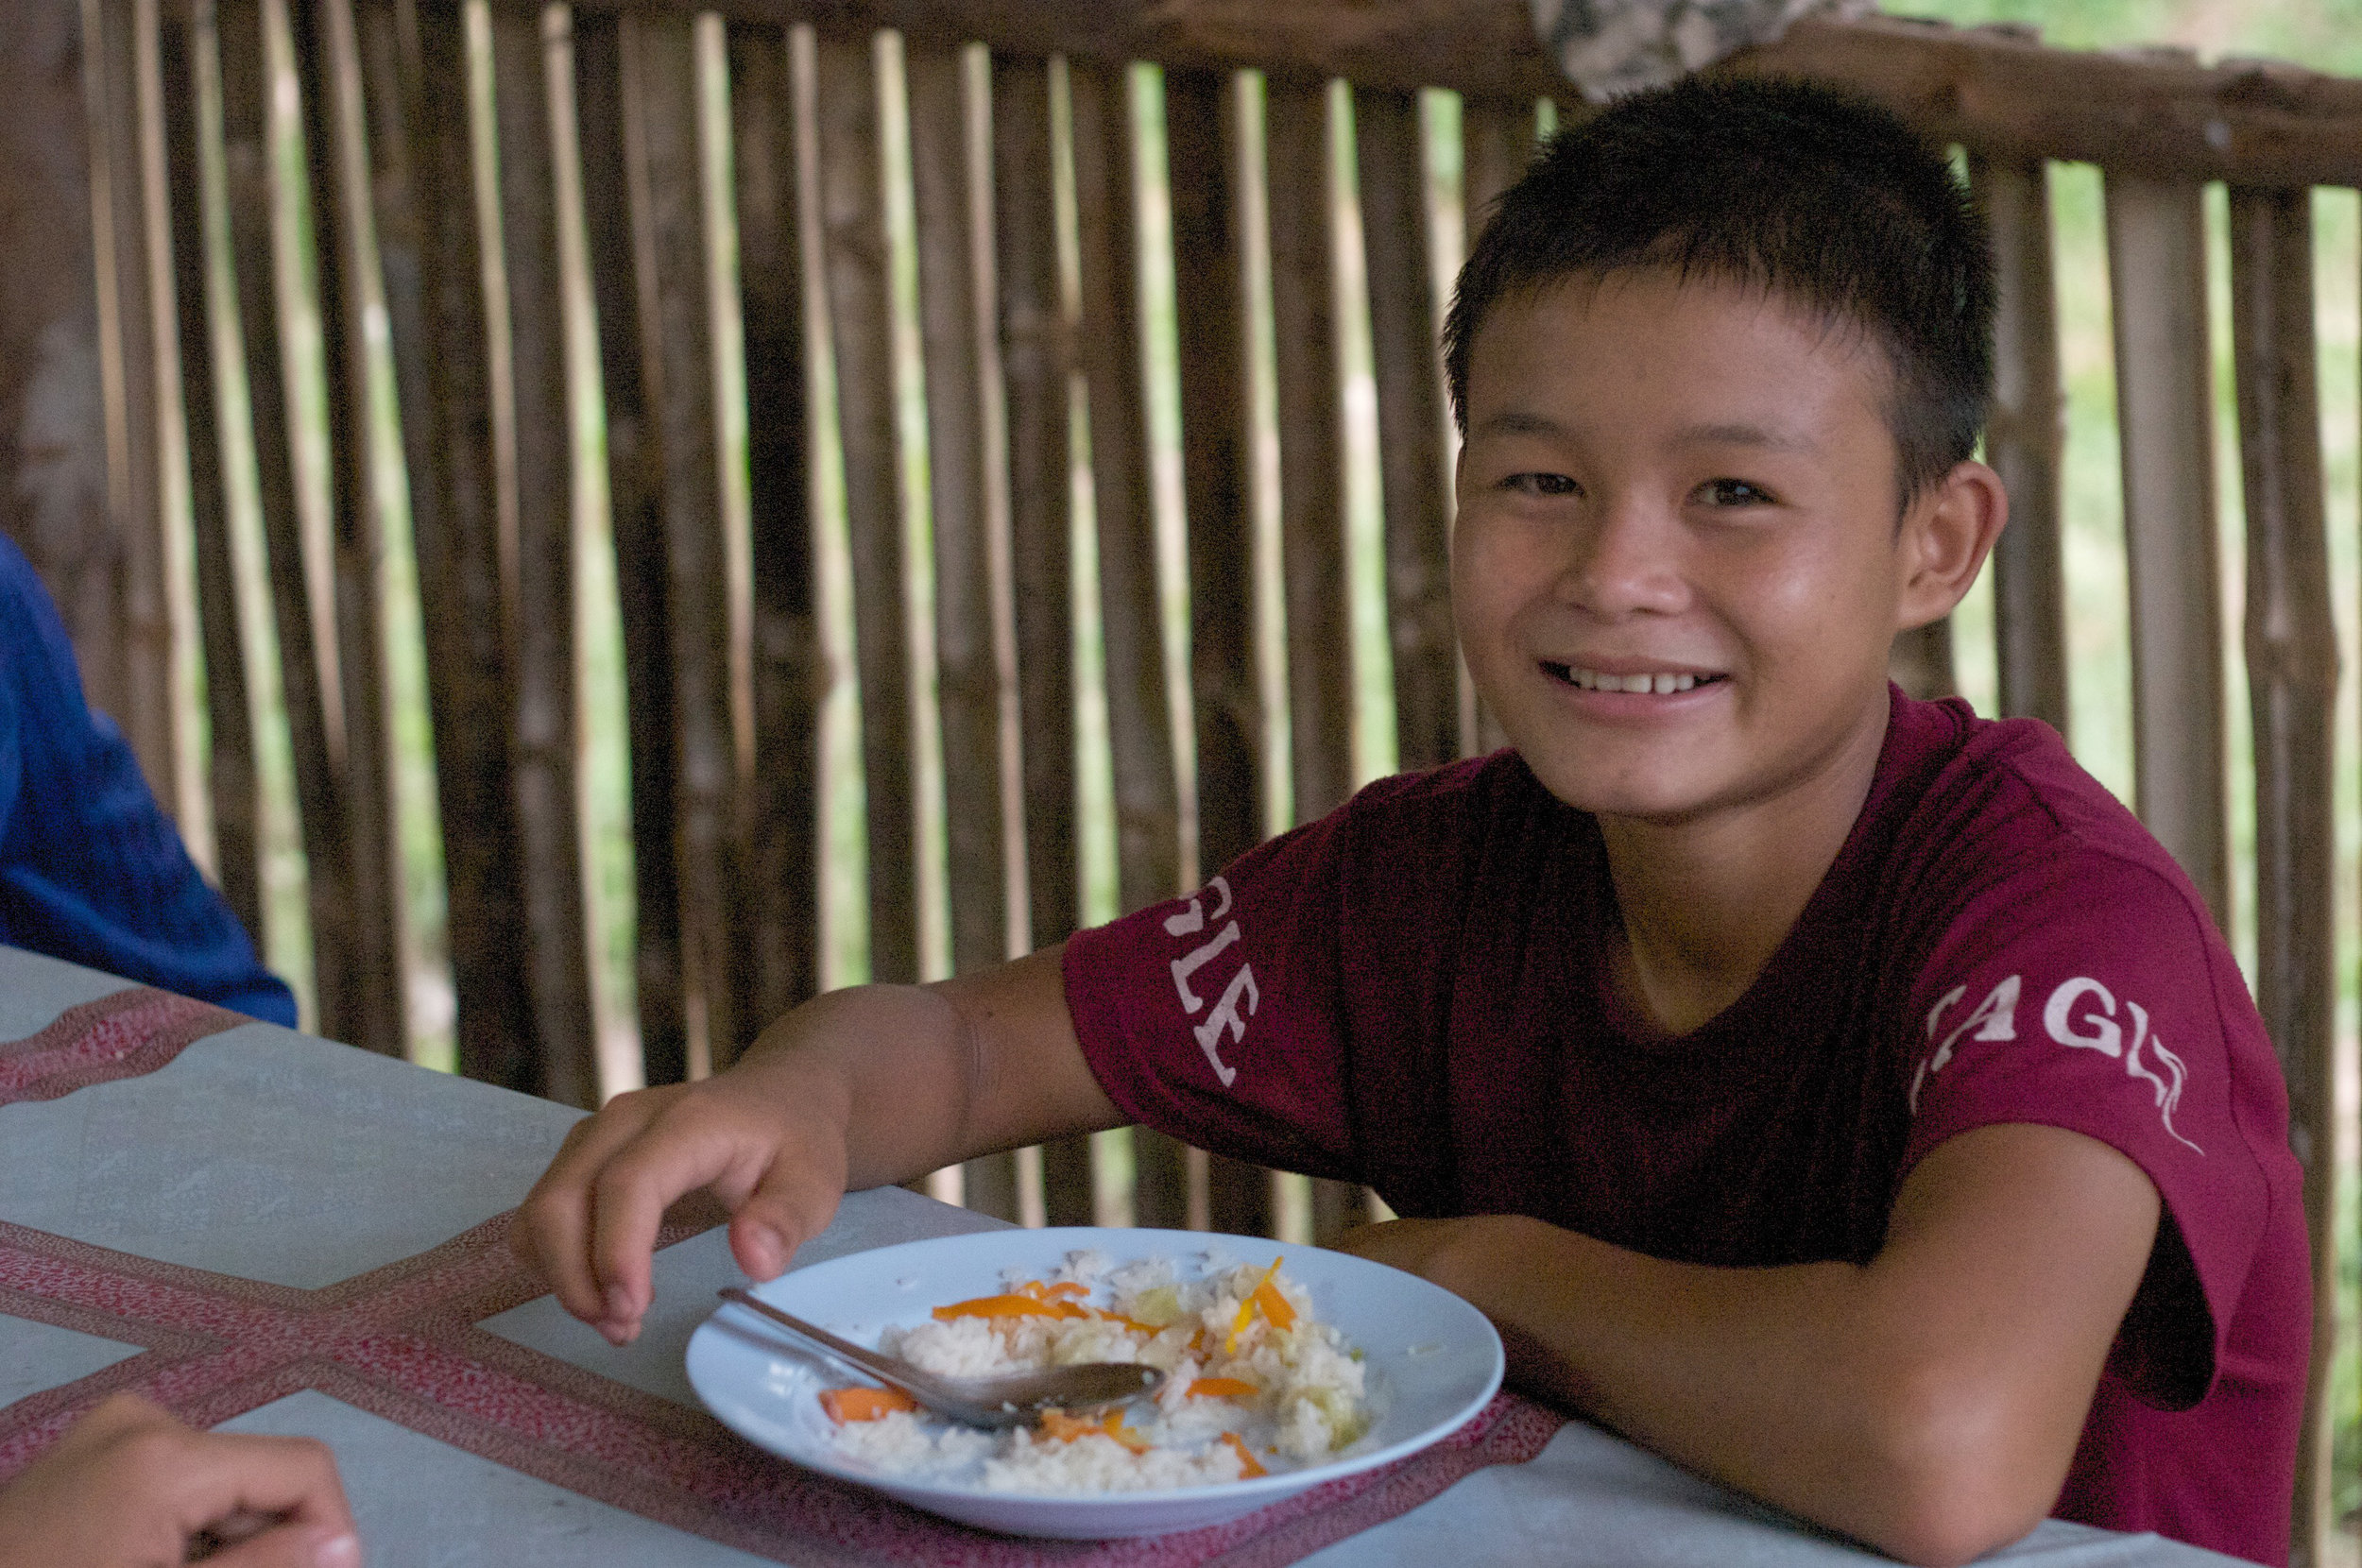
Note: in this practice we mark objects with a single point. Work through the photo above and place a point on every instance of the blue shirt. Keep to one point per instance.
(91, 869)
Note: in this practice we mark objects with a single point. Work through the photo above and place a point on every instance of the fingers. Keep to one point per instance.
(756, 1141)
(793, 1203)
(553, 1224)
(697, 1144)
(292, 1546)
(130, 1485)
(214, 1476)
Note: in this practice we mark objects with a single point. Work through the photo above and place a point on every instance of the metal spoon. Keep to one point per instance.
(988, 1402)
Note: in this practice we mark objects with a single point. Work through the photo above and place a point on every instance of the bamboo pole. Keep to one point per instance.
(2164, 400)
(2025, 441)
(1396, 228)
(134, 667)
(852, 193)
(966, 504)
(231, 781)
(779, 953)
(306, 660)
(2291, 644)
(416, 65)
(1147, 786)
(614, 185)
(1038, 369)
(546, 732)
(1204, 130)
(328, 68)
(673, 268)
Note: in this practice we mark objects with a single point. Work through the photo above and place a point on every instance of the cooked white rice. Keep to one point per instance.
(1308, 1398)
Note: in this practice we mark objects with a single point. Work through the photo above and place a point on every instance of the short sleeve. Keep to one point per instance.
(91, 869)
(2092, 993)
(1215, 1019)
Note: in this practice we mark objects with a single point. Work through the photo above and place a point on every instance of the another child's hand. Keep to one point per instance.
(129, 1487)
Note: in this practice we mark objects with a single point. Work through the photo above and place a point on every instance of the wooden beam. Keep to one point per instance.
(53, 434)
(2155, 113)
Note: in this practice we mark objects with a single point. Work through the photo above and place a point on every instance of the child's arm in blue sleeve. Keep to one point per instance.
(91, 869)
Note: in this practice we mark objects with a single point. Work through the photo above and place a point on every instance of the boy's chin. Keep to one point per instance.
(1660, 795)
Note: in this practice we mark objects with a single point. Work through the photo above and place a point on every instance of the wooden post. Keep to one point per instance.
(861, 315)
(966, 501)
(1148, 810)
(1147, 785)
(415, 62)
(615, 176)
(137, 667)
(2292, 679)
(328, 69)
(1396, 228)
(1036, 346)
(53, 431)
(2025, 441)
(778, 955)
(1202, 135)
(195, 201)
(308, 681)
(2164, 399)
(1495, 144)
(676, 313)
(546, 730)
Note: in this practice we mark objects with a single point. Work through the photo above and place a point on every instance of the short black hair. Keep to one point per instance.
(1800, 190)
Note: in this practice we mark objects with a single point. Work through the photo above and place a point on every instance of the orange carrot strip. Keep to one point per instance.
(1065, 1428)
(1008, 1307)
(1246, 1310)
(1067, 1288)
(847, 1405)
(1113, 1426)
(1274, 1306)
(1248, 1469)
(1222, 1387)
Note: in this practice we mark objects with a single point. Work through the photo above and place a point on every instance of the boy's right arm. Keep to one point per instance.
(855, 1089)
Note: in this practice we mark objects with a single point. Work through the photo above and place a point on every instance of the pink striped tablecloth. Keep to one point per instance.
(402, 1342)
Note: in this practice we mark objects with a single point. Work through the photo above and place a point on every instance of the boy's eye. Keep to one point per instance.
(1542, 485)
(1733, 492)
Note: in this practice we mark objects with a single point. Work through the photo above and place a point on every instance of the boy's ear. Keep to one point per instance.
(1946, 537)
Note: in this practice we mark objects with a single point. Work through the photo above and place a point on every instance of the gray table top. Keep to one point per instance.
(274, 1156)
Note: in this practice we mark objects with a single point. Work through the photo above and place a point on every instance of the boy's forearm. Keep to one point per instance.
(1774, 1380)
(1928, 1401)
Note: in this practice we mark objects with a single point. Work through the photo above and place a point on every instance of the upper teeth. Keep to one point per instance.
(1593, 680)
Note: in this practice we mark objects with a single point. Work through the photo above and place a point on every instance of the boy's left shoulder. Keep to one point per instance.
(1965, 808)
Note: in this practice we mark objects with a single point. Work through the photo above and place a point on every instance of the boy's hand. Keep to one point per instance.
(129, 1487)
(854, 1089)
(767, 1138)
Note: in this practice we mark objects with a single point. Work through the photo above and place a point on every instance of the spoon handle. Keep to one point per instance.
(883, 1368)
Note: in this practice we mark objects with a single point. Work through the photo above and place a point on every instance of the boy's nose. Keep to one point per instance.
(1625, 561)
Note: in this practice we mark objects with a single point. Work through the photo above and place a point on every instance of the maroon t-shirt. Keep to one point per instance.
(1413, 992)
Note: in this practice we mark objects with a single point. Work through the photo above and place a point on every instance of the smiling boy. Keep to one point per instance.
(1836, 1092)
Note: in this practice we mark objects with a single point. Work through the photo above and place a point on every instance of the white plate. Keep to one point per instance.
(1434, 1361)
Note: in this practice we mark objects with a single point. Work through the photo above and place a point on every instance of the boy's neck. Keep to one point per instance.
(1706, 902)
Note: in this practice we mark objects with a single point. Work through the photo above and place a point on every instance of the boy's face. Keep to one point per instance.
(1690, 483)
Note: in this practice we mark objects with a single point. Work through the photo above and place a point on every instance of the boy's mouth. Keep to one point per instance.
(1661, 683)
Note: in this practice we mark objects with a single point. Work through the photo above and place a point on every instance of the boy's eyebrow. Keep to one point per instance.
(1519, 422)
(1745, 435)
